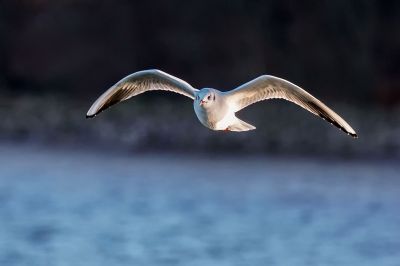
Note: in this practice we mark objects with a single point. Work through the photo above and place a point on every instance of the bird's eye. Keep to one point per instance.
(209, 97)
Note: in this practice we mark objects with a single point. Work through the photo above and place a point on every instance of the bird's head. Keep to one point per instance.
(205, 97)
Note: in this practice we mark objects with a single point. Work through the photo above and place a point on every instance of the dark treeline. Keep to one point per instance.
(343, 49)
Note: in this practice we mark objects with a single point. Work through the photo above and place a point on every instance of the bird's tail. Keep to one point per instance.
(240, 125)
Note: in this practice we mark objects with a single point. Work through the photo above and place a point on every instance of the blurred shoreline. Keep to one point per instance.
(142, 125)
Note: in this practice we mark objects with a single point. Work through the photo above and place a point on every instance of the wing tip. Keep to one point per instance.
(351, 134)
(92, 113)
(354, 135)
(95, 111)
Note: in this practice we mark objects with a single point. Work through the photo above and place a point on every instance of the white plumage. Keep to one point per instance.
(215, 109)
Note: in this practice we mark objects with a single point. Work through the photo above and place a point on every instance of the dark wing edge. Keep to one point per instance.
(269, 87)
(137, 83)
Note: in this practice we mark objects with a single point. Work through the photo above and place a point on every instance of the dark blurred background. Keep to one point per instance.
(344, 50)
(144, 183)
(56, 57)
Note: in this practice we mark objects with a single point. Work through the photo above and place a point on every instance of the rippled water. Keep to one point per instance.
(75, 208)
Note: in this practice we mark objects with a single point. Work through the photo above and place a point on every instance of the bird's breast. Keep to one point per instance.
(204, 116)
(211, 117)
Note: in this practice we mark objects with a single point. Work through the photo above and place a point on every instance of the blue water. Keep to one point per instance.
(62, 207)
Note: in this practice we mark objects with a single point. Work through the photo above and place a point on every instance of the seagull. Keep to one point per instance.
(216, 109)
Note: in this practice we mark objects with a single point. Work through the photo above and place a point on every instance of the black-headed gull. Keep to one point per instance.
(216, 109)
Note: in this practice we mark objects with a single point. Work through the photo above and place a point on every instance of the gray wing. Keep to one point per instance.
(137, 83)
(270, 87)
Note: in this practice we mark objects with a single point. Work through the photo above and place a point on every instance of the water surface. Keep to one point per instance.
(61, 207)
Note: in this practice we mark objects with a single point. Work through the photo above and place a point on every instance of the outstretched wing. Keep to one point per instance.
(270, 87)
(139, 82)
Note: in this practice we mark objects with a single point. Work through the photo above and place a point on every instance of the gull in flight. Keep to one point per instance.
(216, 109)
